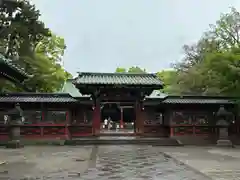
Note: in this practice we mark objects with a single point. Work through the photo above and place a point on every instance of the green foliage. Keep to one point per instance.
(26, 40)
(21, 28)
(212, 65)
(168, 77)
(121, 70)
(136, 69)
(133, 69)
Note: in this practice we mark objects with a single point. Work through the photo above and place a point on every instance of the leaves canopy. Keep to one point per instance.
(32, 46)
(133, 69)
(211, 66)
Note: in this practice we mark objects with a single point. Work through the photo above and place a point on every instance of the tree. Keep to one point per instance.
(121, 70)
(53, 47)
(211, 66)
(226, 30)
(168, 77)
(133, 69)
(32, 46)
(49, 75)
(136, 69)
(21, 28)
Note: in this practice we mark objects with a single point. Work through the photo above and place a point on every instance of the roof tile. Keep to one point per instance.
(69, 88)
(170, 100)
(37, 98)
(13, 66)
(118, 79)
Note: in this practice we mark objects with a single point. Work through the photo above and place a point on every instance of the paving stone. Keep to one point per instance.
(217, 163)
(133, 162)
(102, 163)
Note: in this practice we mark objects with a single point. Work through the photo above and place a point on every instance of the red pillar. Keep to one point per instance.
(96, 118)
(137, 118)
(171, 131)
(66, 125)
(121, 120)
(139, 124)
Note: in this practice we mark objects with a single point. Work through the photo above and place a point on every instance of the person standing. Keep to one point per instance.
(105, 123)
(109, 123)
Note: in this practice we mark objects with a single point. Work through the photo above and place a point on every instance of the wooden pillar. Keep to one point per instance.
(169, 116)
(96, 117)
(67, 134)
(139, 124)
(171, 131)
(42, 120)
(121, 120)
(84, 117)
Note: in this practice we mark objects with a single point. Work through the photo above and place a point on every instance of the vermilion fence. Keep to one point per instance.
(200, 130)
(49, 131)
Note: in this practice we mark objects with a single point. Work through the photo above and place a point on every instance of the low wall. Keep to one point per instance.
(49, 131)
(196, 140)
(156, 130)
(202, 135)
(194, 134)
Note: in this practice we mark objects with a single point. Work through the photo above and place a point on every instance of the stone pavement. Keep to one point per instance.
(217, 163)
(49, 162)
(131, 162)
(120, 162)
(89, 163)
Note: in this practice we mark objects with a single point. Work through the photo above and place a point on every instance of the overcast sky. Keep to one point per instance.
(103, 34)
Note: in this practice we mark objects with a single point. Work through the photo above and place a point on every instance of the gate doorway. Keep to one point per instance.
(129, 118)
(110, 112)
(117, 120)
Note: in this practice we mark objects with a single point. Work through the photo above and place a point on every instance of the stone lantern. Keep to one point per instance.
(14, 122)
(223, 117)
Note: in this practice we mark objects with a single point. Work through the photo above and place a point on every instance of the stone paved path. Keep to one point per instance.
(217, 163)
(137, 163)
(50, 162)
(90, 163)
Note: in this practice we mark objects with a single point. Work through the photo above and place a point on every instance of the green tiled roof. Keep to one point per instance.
(67, 98)
(36, 97)
(195, 100)
(69, 88)
(10, 64)
(157, 94)
(118, 79)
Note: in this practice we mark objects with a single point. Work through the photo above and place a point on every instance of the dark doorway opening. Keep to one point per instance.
(129, 117)
(110, 111)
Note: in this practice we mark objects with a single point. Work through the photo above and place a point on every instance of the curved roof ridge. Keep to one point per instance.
(117, 73)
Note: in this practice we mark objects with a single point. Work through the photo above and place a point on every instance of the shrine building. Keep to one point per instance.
(131, 102)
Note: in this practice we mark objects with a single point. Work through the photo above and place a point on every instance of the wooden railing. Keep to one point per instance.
(43, 131)
(156, 129)
(63, 131)
(80, 130)
(200, 130)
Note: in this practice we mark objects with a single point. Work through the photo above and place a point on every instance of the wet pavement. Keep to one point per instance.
(217, 163)
(137, 163)
(88, 163)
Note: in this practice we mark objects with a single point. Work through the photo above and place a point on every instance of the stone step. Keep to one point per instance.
(113, 140)
(195, 140)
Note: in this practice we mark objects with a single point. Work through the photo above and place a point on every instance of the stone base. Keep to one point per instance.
(14, 144)
(224, 143)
